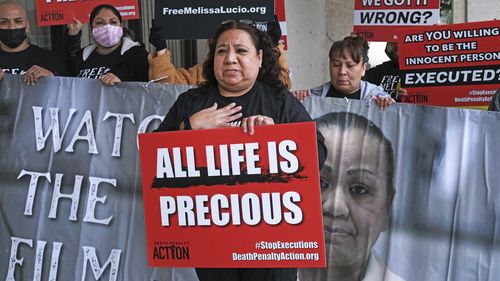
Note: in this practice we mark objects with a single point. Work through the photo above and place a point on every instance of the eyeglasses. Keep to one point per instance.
(259, 25)
(250, 22)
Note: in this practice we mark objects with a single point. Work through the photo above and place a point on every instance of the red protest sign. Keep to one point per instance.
(56, 12)
(451, 65)
(377, 20)
(222, 198)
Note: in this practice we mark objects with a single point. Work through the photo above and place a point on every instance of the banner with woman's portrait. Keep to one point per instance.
(411, 194)
(407, 193)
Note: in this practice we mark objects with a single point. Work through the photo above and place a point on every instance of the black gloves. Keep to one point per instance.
(155, 38)
(274, 30)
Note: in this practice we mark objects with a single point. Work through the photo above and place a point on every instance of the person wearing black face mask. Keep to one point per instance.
(17, 56)
(387, 74)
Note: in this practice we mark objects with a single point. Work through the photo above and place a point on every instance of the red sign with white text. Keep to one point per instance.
(222, 198)
(378, 20)
(57, 12)
(451, 65)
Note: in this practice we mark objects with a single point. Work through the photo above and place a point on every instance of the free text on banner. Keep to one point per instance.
(451, 65)
(199, 19)
(222, 198)
(375, 20)
(56, 12)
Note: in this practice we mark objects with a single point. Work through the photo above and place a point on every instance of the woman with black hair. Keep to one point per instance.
(114, 57)
(243, 89)
(163, 71)
(348, 61)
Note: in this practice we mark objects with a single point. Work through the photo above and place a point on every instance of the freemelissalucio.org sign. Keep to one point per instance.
(189, 19)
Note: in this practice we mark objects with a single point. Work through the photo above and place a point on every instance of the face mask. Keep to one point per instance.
(13, 37)
(107, 35)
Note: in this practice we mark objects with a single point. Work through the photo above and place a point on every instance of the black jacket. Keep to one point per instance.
(387, 76)
(129, 62)
(262, 99)
(20, 62)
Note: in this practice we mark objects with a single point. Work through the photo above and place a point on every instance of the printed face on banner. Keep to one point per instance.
(221, 198)
(356, 190)
(74, 206)
(355, 194)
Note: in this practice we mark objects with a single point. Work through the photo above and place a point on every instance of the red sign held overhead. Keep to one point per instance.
(376, 20)
(451, 65)
(222, 198)
(57, 12)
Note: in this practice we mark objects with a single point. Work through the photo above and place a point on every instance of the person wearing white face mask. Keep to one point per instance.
(113, 57)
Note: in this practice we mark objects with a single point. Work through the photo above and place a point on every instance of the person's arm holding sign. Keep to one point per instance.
(161, 68)
(29, 60)
(72, 45)
(348, 62)
(34, 73)
(114, 56)
(243, 89)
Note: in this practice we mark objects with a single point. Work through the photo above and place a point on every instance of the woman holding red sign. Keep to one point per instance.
(243, 89)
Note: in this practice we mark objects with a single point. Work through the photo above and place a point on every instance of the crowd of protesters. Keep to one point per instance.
(115, 57)
(244, 82)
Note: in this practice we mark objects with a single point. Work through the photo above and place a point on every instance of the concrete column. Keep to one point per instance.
(312, 27)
